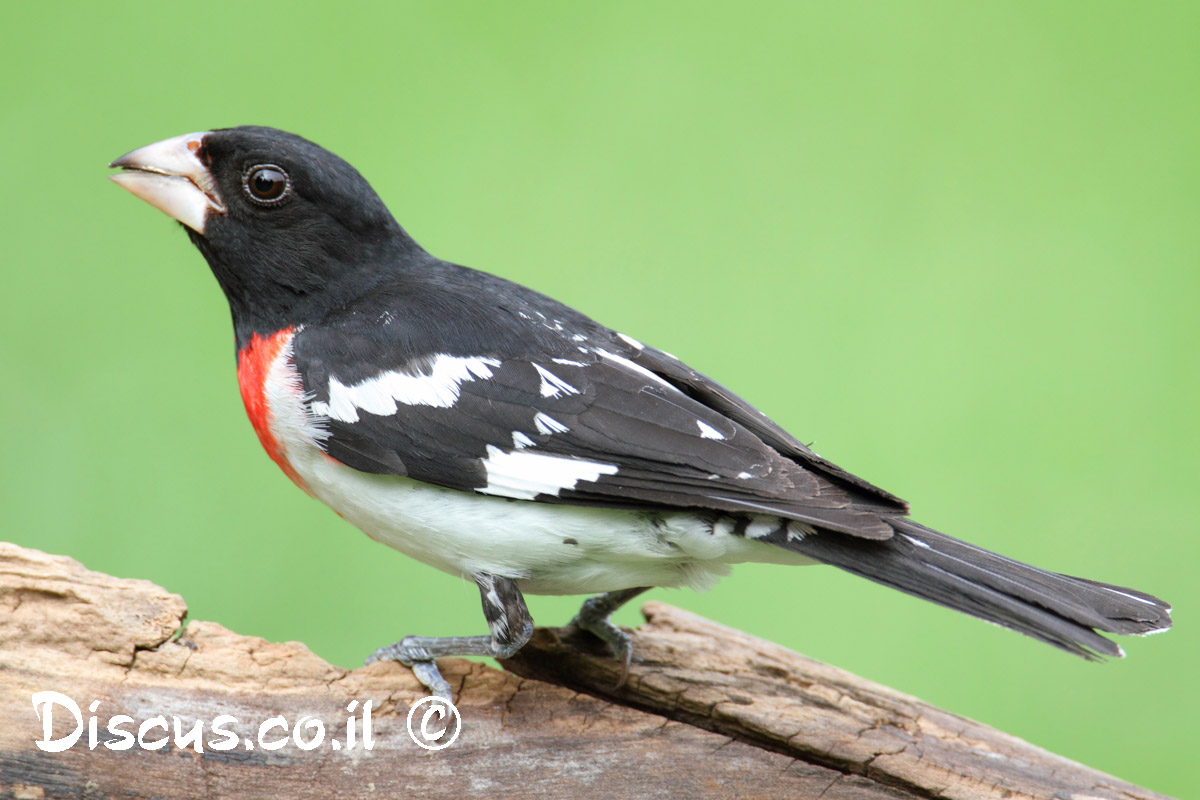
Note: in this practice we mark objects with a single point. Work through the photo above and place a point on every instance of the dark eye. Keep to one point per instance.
(267, 183)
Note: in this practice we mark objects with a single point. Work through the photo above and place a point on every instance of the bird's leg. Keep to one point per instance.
(508, 620)
(593, 617)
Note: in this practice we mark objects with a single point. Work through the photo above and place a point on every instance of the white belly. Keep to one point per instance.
(548, 548)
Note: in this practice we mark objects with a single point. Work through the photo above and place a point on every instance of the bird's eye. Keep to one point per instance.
(267, 184)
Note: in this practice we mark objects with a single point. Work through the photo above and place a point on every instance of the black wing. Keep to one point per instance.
(712, 394)
(571, 413)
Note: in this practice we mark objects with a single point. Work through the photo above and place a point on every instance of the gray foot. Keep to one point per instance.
(593, 617)
(423, 666)
(509, 622)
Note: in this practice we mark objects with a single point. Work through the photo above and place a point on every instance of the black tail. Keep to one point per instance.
(1057, 609)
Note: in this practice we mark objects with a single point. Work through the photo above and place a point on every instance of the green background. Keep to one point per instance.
(953, 243)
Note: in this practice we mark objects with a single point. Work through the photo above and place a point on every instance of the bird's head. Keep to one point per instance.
(279, 219)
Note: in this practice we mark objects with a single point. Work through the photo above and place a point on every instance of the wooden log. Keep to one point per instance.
(706, 712)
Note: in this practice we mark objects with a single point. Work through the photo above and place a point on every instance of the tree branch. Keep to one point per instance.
(707, 712)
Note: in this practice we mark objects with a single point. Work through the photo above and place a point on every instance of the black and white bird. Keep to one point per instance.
(492, 432)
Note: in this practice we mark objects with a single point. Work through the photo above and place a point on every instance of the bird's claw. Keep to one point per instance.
(420, 661)
(428, 674)
(402, 651)
(619, 643)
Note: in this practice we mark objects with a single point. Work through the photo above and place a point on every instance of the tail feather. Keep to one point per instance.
(1060, 610)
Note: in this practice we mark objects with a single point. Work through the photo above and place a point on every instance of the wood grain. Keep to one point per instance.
(707, 712)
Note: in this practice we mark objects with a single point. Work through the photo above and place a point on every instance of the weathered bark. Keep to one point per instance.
(706, 712)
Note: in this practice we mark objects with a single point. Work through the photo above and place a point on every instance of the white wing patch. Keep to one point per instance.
(921, 544)
(632, 342)
(708, 431)
(524, 475)
(548, 424)
(552, 385)
(379, 395)
(521, 441)
(635, 368)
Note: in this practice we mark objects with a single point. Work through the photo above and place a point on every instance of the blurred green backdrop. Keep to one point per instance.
(953, 243)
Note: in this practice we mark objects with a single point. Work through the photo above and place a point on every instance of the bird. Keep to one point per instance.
(494, 433)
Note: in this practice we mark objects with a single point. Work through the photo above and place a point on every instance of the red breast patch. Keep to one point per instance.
(254, 367)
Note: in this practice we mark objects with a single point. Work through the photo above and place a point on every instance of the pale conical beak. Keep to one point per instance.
(170, 177)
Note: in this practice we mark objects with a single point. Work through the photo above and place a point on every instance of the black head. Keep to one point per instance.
(283, 222)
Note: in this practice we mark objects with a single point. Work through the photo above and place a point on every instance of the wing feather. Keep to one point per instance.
(590, 426)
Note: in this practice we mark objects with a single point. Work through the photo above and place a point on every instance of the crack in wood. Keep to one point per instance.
(708, 712)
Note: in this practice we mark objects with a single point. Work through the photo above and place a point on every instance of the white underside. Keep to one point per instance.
(548, 548)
